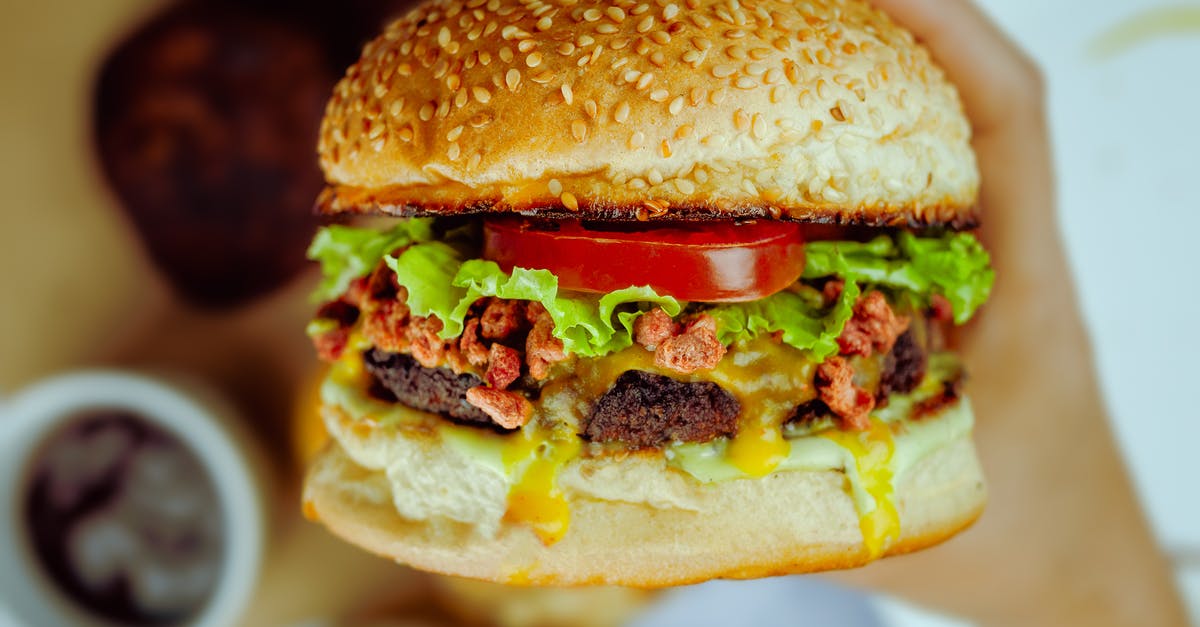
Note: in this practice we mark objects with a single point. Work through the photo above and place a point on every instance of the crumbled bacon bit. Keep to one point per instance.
(541, 347)
(470, 344)
(874, 326)
(835, 386)
(504, 366)
(508, 409)
(940, 309)
(386, 324)
(330, 344)
(427, 348)
(832, 290)
(653, 327)
(501, 318)
(697, 348)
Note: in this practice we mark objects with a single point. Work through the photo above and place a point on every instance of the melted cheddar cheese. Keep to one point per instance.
(531, 460)
(872, 451)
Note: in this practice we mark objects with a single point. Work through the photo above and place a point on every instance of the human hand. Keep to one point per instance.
(1063, 540)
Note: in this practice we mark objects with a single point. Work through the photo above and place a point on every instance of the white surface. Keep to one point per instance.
(1127, 141)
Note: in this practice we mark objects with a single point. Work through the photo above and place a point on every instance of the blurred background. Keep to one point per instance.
(158, 169)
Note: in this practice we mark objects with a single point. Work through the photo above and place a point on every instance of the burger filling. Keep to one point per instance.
(602, 340)
(442, 330)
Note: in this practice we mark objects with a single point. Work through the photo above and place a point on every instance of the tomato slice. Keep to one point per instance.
(698, 261)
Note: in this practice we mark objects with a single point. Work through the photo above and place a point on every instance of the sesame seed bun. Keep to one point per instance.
(667, 530)
(823, 111)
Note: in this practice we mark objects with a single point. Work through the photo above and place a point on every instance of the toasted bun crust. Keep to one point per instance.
(822, 111)
(787, 522)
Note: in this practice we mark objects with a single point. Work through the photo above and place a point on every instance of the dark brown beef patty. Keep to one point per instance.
(645, 409)
(436, 390)
(904, 367)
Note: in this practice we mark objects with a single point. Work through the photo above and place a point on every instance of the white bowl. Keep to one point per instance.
(200, 422)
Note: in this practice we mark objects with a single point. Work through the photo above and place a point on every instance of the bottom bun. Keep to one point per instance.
(787, 522)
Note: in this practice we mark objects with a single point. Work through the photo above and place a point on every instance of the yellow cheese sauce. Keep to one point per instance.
(767, 384)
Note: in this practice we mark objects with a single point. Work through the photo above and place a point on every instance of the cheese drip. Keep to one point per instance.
(872, 451)
(532, 461)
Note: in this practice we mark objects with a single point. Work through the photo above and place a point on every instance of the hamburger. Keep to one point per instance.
(645, 293)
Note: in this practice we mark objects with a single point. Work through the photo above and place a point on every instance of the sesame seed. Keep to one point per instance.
(659, 95)
(405, 134)
(773, 76)
(724, 70)
(837, 113)
(701, 43)
(591, 108)
(606, 29)
(555, 187)
(660, 37)
(506, 54)
(579, 130)
(741, 120)
(566, 49)
(685, 186)
(745, 82)
(645, 24)
(692, 57)
(454, 133)
(669, 12)
(665, 148)
(645, 81)
(481, 94)
(756, 69)
(630, 76)
(637, 139)
(615, 14)
(642, 47)
(567, 94)
(443, 109)
(443, 37)
(453, 81)
(512, 78)
(543, 77)
(454, 151)
(426, 112)
(621, 113)
(526, 45)
(758, 127)
(618, 43)
(676, 105)
(534, 59)
(585, 40)
(659, 59)
(640, 9)
(544, 23)
(473, 162)
(568, 200)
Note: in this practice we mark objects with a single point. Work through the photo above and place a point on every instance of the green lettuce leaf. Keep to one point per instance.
(347, 253)
(442, 283)
(443, 280)
(954, 265)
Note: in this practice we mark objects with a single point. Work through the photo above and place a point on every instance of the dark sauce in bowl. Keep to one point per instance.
(124, 519)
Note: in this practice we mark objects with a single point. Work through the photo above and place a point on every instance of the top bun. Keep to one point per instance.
(822, 111)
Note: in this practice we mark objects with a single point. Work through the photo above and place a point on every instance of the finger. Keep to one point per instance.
(996, 80)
